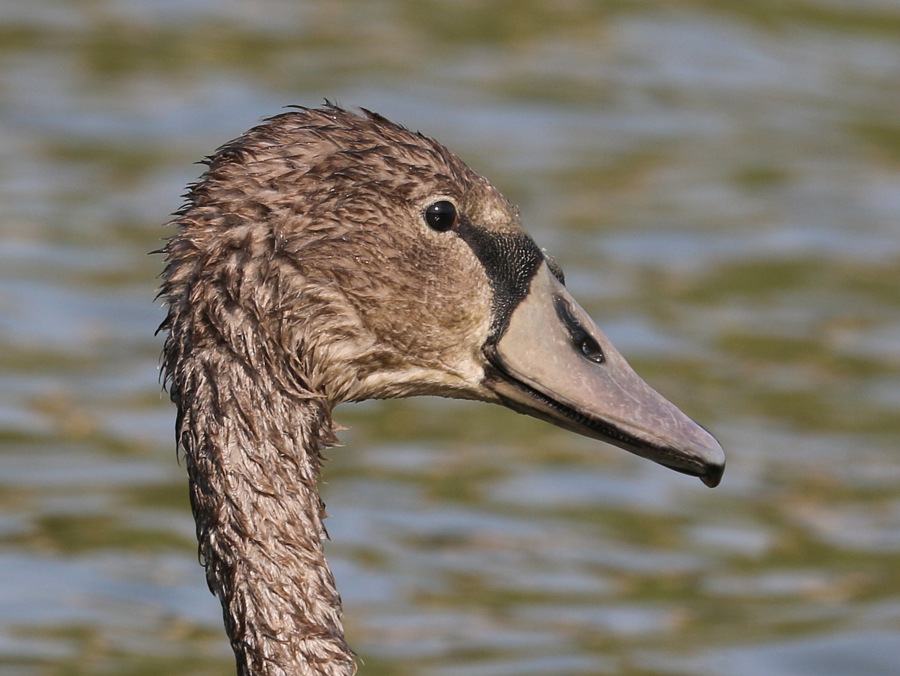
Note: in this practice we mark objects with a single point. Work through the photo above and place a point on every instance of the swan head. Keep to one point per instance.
(351, 259)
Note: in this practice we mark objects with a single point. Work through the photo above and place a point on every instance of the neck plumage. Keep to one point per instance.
(252, 453)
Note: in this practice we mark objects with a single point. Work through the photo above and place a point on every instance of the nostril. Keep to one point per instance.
(583, 340)
(591, 349)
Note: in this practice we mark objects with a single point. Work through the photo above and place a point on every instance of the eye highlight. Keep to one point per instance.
(442, 216)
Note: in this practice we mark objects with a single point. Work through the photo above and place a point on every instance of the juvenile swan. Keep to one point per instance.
(327, 256)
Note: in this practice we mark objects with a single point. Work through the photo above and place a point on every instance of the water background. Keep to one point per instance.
(721, 181)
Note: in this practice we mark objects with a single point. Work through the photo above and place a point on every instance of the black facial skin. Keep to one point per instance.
(511, 260)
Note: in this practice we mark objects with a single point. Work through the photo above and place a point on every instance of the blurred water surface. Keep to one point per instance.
(721, 181)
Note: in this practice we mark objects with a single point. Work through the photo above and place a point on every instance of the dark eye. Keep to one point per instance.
(442, 216)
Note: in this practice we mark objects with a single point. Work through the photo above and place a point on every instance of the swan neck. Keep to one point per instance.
(252, 452)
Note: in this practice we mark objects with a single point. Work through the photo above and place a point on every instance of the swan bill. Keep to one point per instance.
(552, 362)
